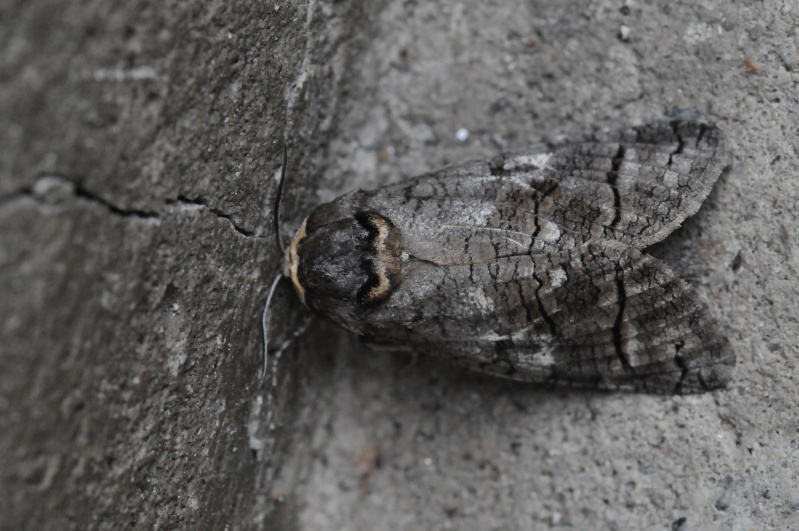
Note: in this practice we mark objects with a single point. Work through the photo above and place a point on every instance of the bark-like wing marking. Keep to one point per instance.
(528, 266)
(604, 315)
(633, 187)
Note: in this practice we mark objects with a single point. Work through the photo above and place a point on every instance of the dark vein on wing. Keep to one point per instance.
(612, 177)
(617, 340)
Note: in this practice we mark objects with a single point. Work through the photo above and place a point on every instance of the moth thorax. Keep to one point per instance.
(353, 259)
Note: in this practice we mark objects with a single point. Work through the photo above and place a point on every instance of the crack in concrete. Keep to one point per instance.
(53, 189)
(199, 201)
(82, 192)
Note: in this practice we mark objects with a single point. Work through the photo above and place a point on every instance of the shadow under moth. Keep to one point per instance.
(529, 265)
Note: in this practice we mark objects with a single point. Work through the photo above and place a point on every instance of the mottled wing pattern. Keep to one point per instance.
(528, 266)
(634, 187)
(603, 315)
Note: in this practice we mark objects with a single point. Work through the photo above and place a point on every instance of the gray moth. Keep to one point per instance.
(530, 265)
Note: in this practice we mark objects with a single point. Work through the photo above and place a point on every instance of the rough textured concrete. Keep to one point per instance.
(139, 144)
(140, 141)
(402, 445)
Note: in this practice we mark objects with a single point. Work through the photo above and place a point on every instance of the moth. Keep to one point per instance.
(530, 265)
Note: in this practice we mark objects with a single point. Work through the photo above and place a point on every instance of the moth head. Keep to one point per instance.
(345, 258)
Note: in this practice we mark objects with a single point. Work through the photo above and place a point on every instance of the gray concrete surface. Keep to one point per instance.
(138, 150)
(398, 445)
(140, 141)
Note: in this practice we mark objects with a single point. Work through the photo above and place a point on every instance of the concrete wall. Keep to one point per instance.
(140, 144)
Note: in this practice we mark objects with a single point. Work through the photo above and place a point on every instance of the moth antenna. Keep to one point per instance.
(279, 198)
(265, 326)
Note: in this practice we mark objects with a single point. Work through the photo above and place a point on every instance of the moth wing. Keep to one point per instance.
(634, 187)
(603, 316)
(644, 180)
